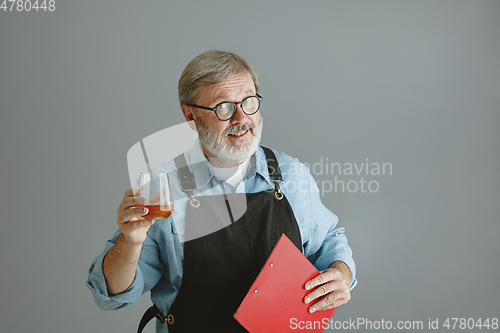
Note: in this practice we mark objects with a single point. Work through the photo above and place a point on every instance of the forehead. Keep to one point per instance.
(233, 88)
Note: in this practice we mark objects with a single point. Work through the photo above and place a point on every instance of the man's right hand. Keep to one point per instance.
(120, 262)
(134, 228)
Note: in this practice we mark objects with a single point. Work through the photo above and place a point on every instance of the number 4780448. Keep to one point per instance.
(28, 5)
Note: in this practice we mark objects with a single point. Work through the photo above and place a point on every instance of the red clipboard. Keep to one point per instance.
(275, 302)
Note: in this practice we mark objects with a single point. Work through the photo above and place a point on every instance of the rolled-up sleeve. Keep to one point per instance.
(323, 243)
(327, 243)
(145, 268)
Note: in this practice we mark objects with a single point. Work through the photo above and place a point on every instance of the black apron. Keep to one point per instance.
(219, 268)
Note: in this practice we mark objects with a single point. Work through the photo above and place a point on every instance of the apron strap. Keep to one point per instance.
(272, 165)
(274, 172)
(150, 313)
(187, 179)
(185, 175)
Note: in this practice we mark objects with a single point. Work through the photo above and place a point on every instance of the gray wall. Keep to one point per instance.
(411, 83)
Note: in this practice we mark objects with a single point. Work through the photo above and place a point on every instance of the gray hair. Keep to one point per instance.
(209, 68)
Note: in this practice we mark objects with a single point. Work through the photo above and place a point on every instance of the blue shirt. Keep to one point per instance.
(160, 264)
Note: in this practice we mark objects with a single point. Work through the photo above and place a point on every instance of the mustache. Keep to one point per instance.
(238, 128)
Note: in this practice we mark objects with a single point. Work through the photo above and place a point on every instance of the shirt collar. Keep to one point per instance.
(259, 166)
(200, 166)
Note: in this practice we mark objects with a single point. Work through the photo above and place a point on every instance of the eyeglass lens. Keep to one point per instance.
(226, 110)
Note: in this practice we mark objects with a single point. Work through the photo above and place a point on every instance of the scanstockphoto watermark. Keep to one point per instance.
(341, 177)
(382, 324)
(355, 324)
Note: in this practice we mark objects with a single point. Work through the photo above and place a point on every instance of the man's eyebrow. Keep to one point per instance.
(225, 98)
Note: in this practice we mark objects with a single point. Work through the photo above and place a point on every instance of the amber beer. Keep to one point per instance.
(157, 211)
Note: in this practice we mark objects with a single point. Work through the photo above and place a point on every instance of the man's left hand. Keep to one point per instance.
(331, 288)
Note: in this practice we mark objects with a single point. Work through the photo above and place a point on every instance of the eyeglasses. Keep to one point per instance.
(226, 110)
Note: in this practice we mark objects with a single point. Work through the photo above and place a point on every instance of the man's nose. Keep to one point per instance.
(239, 115)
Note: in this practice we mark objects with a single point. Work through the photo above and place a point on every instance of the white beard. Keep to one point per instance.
(217, 146)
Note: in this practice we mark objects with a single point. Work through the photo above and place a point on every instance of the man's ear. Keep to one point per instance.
(189, 115)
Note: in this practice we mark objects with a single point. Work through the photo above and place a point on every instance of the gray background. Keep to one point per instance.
(412, 83)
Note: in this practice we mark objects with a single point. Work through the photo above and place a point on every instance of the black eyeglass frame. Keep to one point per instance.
(214, 109)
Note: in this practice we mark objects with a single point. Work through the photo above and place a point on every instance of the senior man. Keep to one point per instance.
(198, 279)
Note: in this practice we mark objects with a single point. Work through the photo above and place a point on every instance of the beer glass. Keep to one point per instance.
(156, 188)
